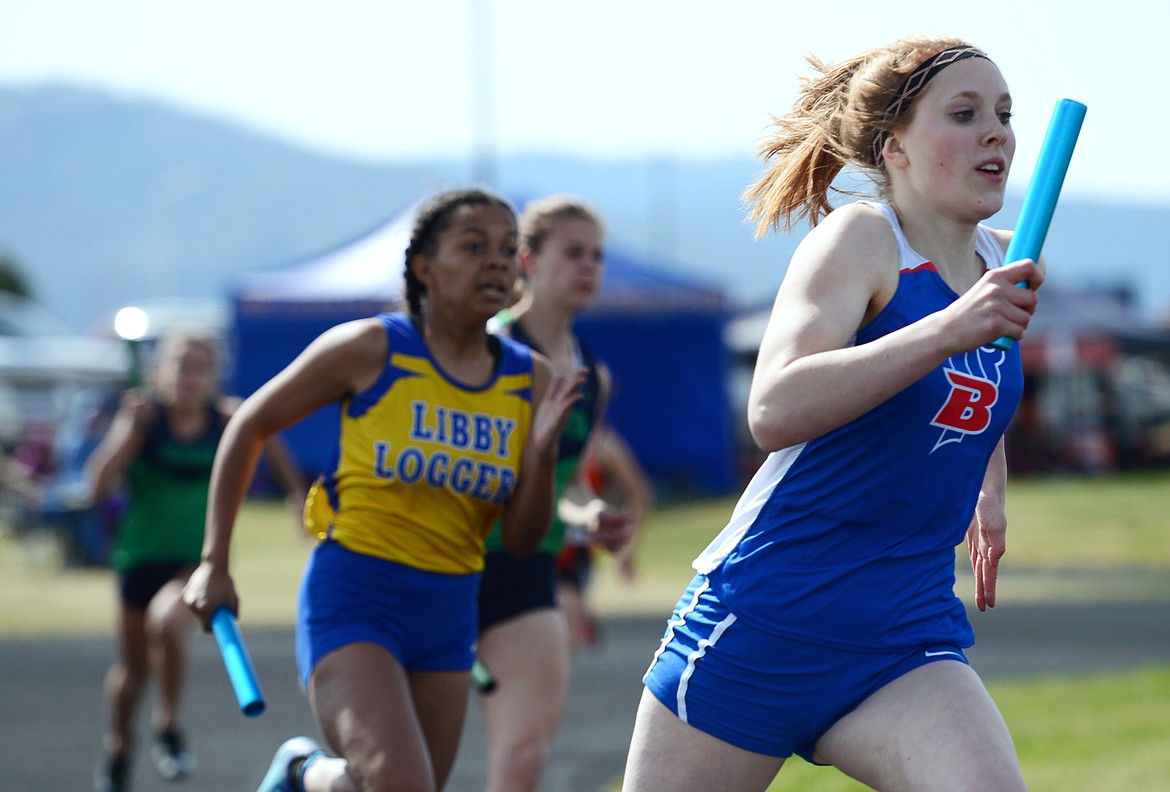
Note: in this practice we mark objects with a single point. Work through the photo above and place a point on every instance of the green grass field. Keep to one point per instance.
(1062, 532)
(1070, 539)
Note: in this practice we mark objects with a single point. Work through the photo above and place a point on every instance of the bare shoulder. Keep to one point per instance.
(348, 357)
(1004, 237)
(853, 241)
(359, 340)
(841, 276)
(605, 380)
(359, 331)
(1001, 235)
(542, 367)
(542, 375)
(860, 226)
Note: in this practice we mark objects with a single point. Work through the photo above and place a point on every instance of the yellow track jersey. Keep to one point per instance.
(425, 464)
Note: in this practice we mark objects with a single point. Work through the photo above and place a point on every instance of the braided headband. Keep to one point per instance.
(913, 86)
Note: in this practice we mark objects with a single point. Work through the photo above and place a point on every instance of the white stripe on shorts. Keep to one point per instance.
(700, 650)
(675, 621)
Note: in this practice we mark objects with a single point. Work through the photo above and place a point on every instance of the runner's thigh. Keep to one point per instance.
(933, 728)
(666, 753)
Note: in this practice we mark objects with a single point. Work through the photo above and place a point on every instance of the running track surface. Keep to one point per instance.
(51, 714)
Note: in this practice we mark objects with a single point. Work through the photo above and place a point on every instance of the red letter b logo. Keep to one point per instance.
(968, 407)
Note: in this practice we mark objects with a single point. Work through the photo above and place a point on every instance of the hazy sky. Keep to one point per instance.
(377, 80)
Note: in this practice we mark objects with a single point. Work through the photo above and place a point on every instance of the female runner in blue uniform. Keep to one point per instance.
(443, 430)
(823, 620)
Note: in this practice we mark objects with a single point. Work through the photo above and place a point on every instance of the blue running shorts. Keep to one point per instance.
(761, 691)
(427, 620)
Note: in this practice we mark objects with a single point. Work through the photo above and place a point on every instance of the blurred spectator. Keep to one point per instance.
(27, 461)
(85, 526)
(17, 491)
(34, 451)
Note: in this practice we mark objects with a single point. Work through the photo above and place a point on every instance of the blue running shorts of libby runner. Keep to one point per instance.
(427, 620)
(758, 690)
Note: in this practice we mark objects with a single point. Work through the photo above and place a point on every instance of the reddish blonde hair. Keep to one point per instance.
(833, 124)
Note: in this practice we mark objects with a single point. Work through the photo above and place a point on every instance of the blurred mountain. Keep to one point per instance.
(107, 200)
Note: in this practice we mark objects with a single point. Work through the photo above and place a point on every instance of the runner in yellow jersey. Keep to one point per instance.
(420, 491)
(444, 428)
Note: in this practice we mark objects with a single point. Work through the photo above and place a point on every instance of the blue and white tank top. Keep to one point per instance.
(848, 540)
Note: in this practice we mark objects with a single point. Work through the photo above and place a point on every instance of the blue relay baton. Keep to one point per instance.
(1040, 199)
(237, 662)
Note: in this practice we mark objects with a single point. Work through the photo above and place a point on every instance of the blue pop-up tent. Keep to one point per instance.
(660, 334)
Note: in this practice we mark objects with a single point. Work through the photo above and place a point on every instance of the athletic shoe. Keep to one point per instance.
(277, 778)
(171, 757)
(112, 774)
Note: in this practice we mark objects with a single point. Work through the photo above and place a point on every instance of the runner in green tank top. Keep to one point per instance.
(160, 448)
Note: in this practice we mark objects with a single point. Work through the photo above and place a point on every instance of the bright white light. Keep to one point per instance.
(131, 323)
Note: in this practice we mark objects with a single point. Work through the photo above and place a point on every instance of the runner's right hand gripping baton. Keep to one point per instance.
(1040, 199)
